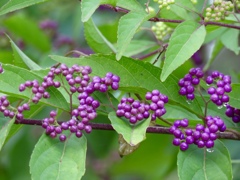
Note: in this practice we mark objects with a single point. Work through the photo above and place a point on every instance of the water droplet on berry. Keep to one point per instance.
(225, 104)
(220, 107)
(189, 101)
(210, 150)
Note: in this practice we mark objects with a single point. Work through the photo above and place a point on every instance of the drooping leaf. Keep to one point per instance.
(136, 77)
(96, 40)
(88, 8)
(159, 159)
(133, 134)
(230, 40)
(28, 31)
(184, 42)
(128, 25)
(5, 127)
(196, 163)
(235, 96)
(13, 76)
(53, 159)
(21, 59)
(13, 5)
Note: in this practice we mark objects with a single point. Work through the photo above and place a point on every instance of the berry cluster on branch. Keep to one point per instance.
(219, 10)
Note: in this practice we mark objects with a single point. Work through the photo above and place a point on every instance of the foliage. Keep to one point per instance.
(101, 75)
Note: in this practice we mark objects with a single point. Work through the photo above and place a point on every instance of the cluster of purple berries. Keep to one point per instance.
(233, 113)
(102, 84)
(158, 100)
(75, 79)
(201, 136)
(221, 85)
(38, 90)
(189, 81)
(53, 129)
(133, 110)
(136, 111)
(4, 105)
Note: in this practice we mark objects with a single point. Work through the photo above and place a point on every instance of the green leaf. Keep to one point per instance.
(213, 32)
(28, 30)
(21, 59)
(136, 77)
(13, 5)
(5, 129)
(96, 40)
(88, 8)
(128, 25)
(131, 5)
(53, 159)
(230, 40)
(234, 96)
(179, 12)
(133, 134)
(218, 46)
(13, 76)
(196, 163)
(137, 46)
(184, 42)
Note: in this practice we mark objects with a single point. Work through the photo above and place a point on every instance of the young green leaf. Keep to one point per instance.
(128, 25)
(184, 42)
(53, 159)
(133, 134)
(88, 7)
(230, 40)
(96, 40)
(235, 96)
(21, 59)
(13, 5)
(196, 163)
(136, 77)
(5, 129)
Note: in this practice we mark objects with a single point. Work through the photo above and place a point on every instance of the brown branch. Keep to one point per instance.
(150, 129)
(156, 19)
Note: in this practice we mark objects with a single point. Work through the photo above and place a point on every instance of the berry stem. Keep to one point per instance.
(166, 121)
(151, 129)
(205, 102)
(111, 104)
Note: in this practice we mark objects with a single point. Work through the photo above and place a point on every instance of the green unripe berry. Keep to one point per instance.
(208, 9)
(208, 14)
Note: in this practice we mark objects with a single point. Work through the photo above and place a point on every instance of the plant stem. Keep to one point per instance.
(150, 129)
